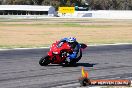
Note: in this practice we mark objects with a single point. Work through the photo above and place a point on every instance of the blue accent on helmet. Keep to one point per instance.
(64, 39)
(71, 39)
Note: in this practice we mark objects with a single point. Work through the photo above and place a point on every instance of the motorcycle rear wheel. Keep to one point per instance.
(44, 61)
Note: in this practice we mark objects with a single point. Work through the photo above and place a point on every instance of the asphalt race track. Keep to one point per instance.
(20, 68)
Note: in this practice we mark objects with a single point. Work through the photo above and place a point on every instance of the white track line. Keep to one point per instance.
(67, 85)
(25, 48)
(49, 47)
(110, 44)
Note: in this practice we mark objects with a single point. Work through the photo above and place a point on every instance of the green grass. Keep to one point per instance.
(116, 36)
(59, 25)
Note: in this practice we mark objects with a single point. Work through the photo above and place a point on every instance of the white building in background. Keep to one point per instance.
(27, 10)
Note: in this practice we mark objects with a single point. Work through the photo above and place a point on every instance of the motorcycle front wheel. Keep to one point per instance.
(44, 61)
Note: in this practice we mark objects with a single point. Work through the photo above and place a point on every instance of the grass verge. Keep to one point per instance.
(25, 34)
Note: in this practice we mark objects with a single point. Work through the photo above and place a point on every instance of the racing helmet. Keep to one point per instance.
(71, 39)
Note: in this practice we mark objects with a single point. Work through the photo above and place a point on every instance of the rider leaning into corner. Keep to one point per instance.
(74, 45)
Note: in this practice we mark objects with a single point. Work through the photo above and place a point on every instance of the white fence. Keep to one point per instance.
(106, 14)
(102, 14)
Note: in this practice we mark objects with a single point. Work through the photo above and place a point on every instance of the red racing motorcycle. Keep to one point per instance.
(59, 52)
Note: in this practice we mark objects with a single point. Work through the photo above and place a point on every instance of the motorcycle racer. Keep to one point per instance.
(74, 46)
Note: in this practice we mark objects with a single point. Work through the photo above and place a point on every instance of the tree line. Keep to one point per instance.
(91, 4)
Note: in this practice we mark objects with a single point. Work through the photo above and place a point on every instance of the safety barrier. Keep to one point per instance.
(106, 14)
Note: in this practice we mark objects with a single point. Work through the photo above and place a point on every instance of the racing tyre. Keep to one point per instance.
(80, 56)
(44, 61)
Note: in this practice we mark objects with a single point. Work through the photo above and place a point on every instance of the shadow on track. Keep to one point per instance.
(74, 65)
(86, 64)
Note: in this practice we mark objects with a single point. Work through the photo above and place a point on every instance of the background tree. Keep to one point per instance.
(18, 2)
(55, 3)
(92, 4)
